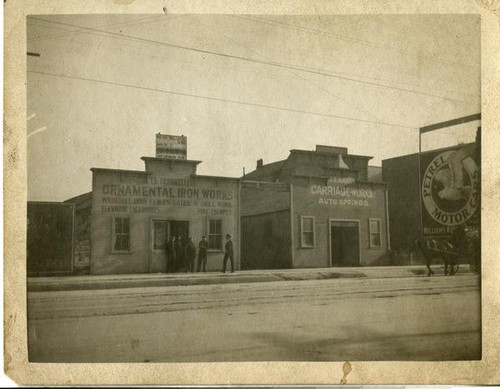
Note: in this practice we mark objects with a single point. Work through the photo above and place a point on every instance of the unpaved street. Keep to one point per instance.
(416, 318)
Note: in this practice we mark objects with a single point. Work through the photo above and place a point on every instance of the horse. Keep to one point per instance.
(434, 249)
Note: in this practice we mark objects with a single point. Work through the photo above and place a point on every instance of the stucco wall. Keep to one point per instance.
(305, 203)
(196, 200)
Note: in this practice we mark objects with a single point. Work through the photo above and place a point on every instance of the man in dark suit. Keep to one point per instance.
(202, 254)
(229, 254)
(170, 253)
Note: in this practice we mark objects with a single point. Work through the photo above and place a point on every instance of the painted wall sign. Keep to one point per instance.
(450, 182)
(82, 253)
(341, 180)
(160, 194)
(343, 195)
(171, 146)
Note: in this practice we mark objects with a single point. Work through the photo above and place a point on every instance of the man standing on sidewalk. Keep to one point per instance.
(202, 254)
(229, 254)
(170, 252)
(179, 254)
(190, 255)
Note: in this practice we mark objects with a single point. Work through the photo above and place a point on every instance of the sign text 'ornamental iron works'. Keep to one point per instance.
(450, 189)
(161, 194)
(171, 146)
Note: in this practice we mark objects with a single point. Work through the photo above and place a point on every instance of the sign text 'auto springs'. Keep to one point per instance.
(343, 195)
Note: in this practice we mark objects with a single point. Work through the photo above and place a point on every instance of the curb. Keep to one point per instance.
(128, 281)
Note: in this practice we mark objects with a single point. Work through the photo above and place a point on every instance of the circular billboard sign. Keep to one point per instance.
(450, 187)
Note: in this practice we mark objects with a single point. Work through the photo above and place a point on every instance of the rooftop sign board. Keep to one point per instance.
(171, 146)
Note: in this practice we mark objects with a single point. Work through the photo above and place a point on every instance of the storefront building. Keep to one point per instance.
(49, 246)
(315, 209)
(133, 214)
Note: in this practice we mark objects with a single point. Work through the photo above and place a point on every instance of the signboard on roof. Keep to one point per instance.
(171, 146)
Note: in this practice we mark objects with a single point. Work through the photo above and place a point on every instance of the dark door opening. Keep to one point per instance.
(163, 232)
(344, 243)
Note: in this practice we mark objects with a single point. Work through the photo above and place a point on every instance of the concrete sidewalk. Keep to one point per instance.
(91, 282)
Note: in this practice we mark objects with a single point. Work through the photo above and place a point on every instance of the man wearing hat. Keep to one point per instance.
(229, 254)
(202, 254)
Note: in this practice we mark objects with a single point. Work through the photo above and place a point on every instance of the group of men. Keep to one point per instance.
(181, 255)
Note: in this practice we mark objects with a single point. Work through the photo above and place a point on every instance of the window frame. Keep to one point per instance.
(302, 231)
(114, 234)
(208, 234)
(371, 233)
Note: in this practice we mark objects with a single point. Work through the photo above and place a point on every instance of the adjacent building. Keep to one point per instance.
(49, 246)
(321, 208)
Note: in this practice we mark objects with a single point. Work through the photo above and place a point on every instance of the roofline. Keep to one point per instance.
(264, 182)
(343, 169)
(171, 160)
(215, 177)
(105, 170)
(430, 151)
(310, 176)
(329, 154)
(273, 163)
(82, 196)
(265, 165)
(51, 202)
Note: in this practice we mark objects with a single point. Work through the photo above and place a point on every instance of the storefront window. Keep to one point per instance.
(307, 229)
(215, 234)
(121, 234)
(375, 239)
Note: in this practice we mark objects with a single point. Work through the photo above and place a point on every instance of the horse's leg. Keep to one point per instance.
(428, 261)
(445, 266)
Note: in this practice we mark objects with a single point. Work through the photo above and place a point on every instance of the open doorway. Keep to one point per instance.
(162, 232)
(344, 243)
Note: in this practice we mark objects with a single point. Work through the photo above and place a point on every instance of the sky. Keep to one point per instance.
(241, 88)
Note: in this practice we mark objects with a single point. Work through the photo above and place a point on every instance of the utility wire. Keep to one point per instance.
(175, 93)
(268, 63)
(347, 102)
(361, 42)
(349, 39)
(74, 33)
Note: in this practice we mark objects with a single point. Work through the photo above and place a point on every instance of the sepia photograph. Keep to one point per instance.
(251, 193)
(238, 188)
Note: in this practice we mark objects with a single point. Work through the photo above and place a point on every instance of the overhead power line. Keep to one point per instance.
(362, 42)
(114, 25)
(240, 102)
(268, 63)
(347, 102)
